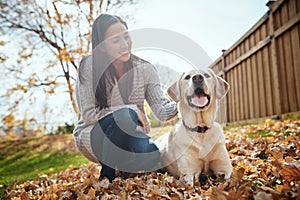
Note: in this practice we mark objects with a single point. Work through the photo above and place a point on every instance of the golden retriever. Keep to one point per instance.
(196, 144)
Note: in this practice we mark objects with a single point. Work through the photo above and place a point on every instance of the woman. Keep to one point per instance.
(111, 88)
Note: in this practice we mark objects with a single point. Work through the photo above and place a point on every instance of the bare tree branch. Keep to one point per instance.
(60, 29)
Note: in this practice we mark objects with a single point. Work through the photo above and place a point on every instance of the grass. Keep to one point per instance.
(26, 159)
(261, 133)
(21, 167)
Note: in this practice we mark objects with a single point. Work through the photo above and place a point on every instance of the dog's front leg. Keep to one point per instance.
(221, 165)
(190, 179)
(190, 172)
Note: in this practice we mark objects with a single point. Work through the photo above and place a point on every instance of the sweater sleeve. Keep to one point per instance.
(161, 106)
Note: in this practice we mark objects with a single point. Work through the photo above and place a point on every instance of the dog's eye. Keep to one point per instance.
(207, 75)
(187, 77)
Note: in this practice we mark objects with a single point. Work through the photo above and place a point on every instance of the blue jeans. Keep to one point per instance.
(117, 144)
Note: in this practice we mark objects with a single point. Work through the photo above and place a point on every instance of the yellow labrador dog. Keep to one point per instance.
(196, 144)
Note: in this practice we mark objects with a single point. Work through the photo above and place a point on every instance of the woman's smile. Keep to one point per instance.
(118, 42)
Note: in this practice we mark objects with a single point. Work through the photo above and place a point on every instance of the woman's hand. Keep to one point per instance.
(144, 120)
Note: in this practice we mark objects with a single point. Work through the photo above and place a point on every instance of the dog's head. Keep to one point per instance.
(198, 89)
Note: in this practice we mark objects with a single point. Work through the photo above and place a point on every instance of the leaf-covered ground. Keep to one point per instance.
(265, 159)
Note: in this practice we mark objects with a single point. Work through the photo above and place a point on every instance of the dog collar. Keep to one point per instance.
(199, 129)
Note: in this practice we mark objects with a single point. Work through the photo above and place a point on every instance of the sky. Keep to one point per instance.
(212, 24)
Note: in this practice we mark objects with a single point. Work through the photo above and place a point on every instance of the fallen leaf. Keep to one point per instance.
(92, 193)
(291, 171)
(24, 196)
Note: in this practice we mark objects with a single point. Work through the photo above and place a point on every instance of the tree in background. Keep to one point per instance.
(41, 45)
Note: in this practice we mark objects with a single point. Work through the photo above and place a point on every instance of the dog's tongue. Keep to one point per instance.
(199, 101)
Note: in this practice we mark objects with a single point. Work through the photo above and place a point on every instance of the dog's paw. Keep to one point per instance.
(188, 179)
(220, 176)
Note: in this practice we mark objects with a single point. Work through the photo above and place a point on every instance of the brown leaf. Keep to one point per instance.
(291, 152)
(291, 171)
(217, 194)
(237, 176)
(25, 196)
(277, 154)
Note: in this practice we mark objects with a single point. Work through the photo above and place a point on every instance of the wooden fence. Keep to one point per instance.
(263, 67)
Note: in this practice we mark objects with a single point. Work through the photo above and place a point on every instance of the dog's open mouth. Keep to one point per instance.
(199, 99)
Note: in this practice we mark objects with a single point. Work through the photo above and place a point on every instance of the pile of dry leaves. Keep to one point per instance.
(266, 165)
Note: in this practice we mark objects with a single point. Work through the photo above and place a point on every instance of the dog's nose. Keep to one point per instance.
(198, 78)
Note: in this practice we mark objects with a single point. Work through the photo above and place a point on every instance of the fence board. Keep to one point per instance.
(267, 81)
(296, 58)
(283, 72)
(250, 89)
(290, 72)
(236, 99)
(240, 93)
(282, 76)
(292, 9)
(261, 81)
(266, 71)
(231, 97)
(245, 92)
(255, 87)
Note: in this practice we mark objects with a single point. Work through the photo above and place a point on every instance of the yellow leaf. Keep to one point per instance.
(53, 196)
(278, 188)
(54, 188)
(277, 154)
(92, 193)
(81, 197)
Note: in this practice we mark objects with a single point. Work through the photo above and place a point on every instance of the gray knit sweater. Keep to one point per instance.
(146, 86)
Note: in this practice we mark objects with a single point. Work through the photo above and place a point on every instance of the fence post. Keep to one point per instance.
(274, 64)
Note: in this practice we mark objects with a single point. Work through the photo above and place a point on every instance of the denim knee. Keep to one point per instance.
(145, 157)
(126, 119)
(142, 144)
(124, 113)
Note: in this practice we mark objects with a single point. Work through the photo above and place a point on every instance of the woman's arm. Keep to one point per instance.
(161, 106)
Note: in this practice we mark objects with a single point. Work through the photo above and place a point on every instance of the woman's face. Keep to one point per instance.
(118, 42)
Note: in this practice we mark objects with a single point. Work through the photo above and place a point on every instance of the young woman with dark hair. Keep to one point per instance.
(111, 88)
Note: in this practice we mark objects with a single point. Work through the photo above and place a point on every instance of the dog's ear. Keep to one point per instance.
(174, 90)
(222, 86)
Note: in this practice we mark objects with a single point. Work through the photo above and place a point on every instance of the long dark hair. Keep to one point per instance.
(102, 64)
